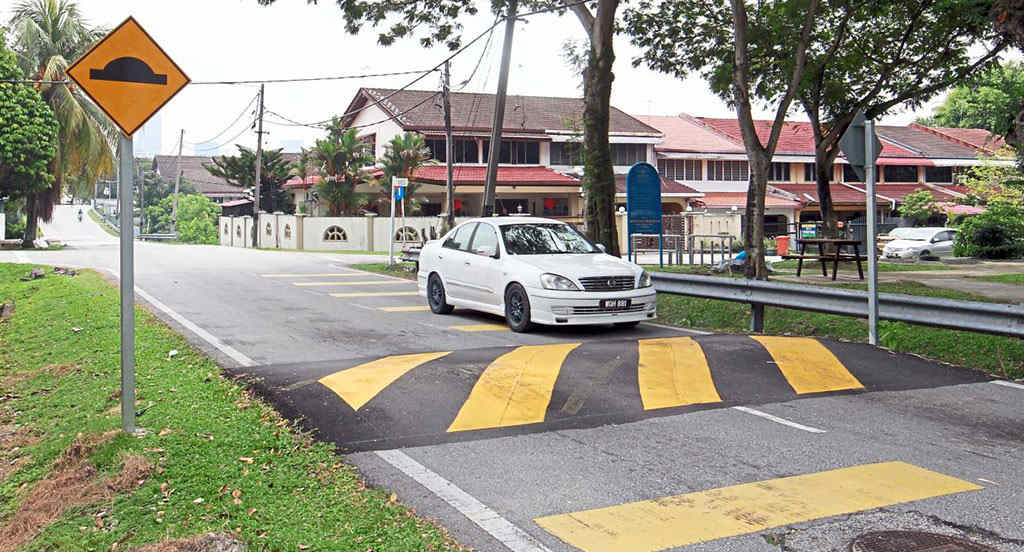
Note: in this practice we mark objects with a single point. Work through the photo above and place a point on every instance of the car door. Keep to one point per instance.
(483, 275)
(451, 259)
(943, 243)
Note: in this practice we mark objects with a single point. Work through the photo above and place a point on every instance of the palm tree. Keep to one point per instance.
(404, 154)
(344, 158)
(48, 36)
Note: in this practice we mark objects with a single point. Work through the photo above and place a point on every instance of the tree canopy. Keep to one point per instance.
(240, 170)
(28, 134)
(990, 100)
(343, 159)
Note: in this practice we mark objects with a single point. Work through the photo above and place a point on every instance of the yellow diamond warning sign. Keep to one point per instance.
(128, 75)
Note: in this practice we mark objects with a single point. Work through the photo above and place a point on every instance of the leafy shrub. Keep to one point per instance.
(998, 233)
(197, 218)
(14, 226)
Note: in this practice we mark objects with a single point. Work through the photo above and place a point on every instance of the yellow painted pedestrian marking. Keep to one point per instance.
(685, 519)
(808, 365)
(515, 389)
(375, 294)
(674, 372)
(479, 327)
(358, 385)
(357, 283)
(322, 275)
(404, 309)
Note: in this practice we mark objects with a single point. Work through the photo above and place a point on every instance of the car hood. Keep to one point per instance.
(903, 244)
(579, 266)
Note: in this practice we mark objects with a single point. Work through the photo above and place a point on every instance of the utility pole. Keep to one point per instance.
(499, 111)
(450, 187)
(259, 157)
(872, 206)
(177, 185)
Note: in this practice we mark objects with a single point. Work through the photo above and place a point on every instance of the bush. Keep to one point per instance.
(197, 218)
(14, 227)
(998, 233)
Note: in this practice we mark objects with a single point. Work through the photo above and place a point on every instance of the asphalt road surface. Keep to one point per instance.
(593, 438)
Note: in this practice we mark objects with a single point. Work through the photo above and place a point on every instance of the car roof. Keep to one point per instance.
(516, 220)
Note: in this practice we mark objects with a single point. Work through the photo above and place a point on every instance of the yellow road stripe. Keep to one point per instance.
(718, 513)
(404, 309)
(325, 275)
(359, 283)
(359, 384)
(808, 365)
(515, 389)
(674, 372)
(479, 327)
(375, 294)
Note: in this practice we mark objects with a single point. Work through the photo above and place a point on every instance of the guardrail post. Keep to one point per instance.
(757, 317)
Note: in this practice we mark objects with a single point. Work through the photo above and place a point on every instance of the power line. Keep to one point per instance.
(229, 140)
(312, 79)
(321, 126)
(238, 118)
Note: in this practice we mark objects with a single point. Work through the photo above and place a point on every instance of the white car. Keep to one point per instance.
(532, 271)
(913, 243)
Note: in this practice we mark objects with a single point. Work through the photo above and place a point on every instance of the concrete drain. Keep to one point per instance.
(913, 541)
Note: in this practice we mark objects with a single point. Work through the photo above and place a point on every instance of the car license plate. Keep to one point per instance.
(615, 304)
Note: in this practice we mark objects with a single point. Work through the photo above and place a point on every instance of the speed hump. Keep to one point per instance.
(128, 75)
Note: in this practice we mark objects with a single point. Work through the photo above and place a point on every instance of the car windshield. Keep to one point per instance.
(545, 239)
(918, 234)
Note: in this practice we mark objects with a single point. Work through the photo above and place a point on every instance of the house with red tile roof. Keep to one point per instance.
(540, 168)
(707, 155)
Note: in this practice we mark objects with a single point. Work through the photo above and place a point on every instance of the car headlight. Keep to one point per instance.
(645, 279)
(554, 281)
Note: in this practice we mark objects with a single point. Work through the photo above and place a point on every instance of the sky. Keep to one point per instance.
(241, 40)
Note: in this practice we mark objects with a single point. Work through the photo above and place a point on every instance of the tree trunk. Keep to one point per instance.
(32, 221)
(598, 174)
(824, 159)
(753, 224)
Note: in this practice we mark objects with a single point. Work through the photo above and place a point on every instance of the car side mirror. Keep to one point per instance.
(602, 248)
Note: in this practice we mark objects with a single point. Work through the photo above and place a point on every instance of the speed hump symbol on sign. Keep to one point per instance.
(128, 75)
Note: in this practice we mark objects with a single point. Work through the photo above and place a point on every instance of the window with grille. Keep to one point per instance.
(778, 172)
(900, 173)
(566, 153)
(849, 175)
(463, 150)
(680, 169)
(728, 171)
(515, 152)
(938, 174)
(627, 154)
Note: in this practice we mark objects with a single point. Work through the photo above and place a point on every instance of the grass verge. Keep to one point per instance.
(1017, 279)
(398, 270)
(214, 458)
(882, 267)
(102, 223)
(1001, 356)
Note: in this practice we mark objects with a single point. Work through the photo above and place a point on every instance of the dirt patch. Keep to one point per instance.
(73, 482)
(212, 542)
(12, 439)
(56, 370)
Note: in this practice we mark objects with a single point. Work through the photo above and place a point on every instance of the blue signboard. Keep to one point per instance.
(399, 193)
(643, 202)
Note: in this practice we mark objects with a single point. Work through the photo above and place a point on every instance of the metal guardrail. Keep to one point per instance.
(158, 236)
(992, 318)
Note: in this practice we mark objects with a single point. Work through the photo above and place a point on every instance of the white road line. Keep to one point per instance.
(498, 527)
(1008, 384)
(678, 329)
(206, 336)
(778, 420)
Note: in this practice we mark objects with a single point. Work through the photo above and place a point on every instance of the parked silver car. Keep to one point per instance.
(914, 243)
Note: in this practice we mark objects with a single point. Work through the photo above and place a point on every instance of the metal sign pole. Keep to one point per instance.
(127, 288)
(869, 173)
(391, 236)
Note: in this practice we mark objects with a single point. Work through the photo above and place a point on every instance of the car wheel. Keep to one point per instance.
(436, 297)
(517, 309)
(632, 324)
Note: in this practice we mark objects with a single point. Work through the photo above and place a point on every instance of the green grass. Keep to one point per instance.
(1017, 279)
(882, 267)
(99, 220)
(1001, 356)
(399, 270)
(199, 426)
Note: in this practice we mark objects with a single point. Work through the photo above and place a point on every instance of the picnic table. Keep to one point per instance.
(836, 256)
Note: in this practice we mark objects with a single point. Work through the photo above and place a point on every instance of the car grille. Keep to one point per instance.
(600, 310)
(608, 283)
